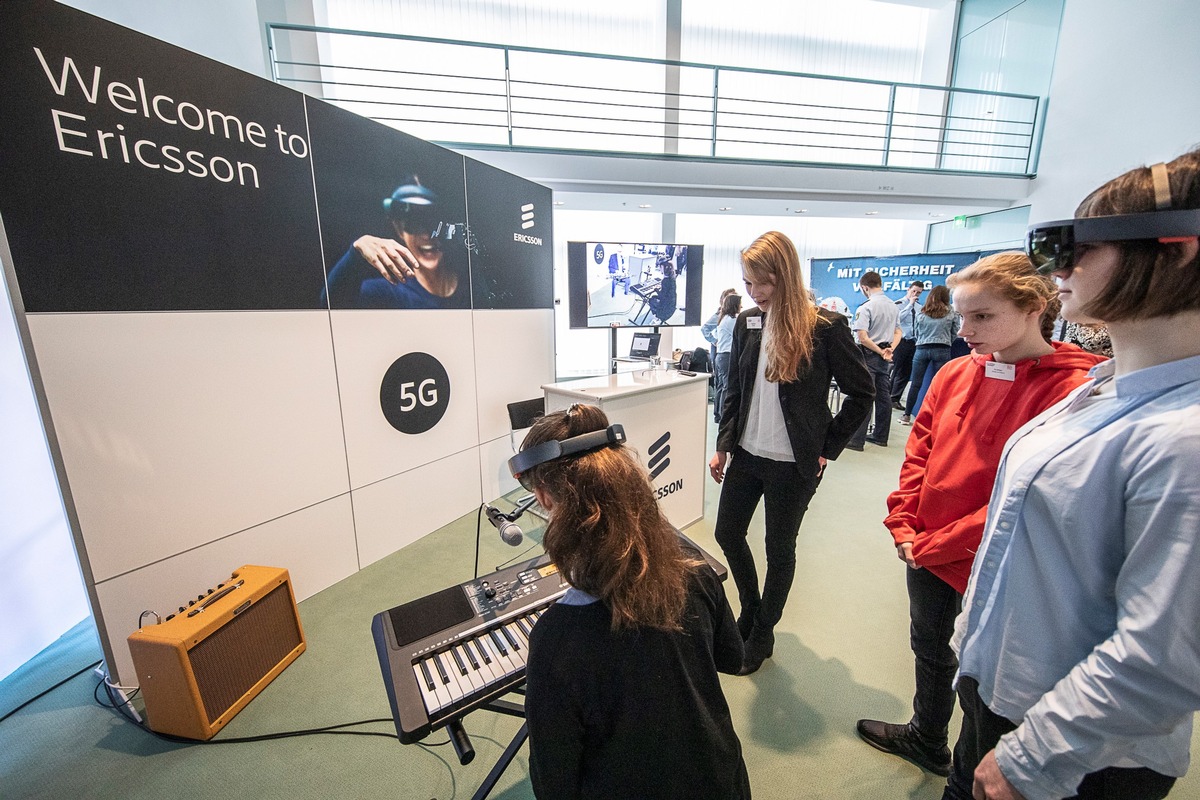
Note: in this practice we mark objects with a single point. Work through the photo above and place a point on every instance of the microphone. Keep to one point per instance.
(510, 532)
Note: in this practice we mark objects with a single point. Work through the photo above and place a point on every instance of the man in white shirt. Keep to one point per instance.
(875, 326)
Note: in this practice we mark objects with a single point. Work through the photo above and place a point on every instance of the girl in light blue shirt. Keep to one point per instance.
(1079, 658)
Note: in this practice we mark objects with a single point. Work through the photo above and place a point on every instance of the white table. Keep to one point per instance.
(665, 415)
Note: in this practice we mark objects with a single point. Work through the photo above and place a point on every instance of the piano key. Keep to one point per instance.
(516, 632)
(498, 642)
(475, 678)
(441, 668)
(503, 661)
(491, 665)
(458, 687)
(428, 696)
(506, 630)
(425, 674)
(484, 654)
(458, 659)
(525, 625)
(440, 690)
(466, 646)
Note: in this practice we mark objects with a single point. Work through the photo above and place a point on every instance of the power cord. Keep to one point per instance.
(335, 730)
(40, 695)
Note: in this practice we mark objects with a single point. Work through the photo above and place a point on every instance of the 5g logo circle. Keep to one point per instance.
(415, 393)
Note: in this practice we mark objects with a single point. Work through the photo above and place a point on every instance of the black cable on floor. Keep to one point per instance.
(333, 730)
(40, 695)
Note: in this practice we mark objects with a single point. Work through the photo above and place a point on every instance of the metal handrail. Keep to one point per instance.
(960, 136)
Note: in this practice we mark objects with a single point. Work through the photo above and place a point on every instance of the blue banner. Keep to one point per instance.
(835, 280)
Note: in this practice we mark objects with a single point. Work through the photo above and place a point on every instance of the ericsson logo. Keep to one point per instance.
(659, 461)
(527, 222)
(658, 455)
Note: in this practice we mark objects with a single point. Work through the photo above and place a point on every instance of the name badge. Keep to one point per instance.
(1003, 372)
(754, 323)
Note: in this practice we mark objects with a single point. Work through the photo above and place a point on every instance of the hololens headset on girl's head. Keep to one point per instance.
(549, 451)
(1051, 245)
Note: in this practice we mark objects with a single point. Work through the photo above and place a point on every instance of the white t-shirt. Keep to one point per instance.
(765, 434)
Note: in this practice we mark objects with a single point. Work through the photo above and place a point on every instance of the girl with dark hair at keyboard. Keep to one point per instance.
(623, 697)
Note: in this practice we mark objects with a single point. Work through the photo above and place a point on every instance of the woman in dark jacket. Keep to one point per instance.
(776, 424)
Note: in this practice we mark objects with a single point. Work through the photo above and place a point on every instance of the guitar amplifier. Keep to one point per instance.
(200, 667)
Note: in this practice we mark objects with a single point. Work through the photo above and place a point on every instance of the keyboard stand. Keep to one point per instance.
(466, 753)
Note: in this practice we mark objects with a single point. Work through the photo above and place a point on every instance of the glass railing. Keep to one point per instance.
(472, 95)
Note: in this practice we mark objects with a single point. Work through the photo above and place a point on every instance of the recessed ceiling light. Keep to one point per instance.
(725, 208)
(560, 202)
(932, 214)
(801, 210)
(643, 205)
(872, 213)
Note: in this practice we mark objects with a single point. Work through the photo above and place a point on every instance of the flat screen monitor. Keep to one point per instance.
(644, 345)
(633, 284)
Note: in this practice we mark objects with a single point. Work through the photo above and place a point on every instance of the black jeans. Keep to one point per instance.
(878, 368)
(932, 606)
(982, 729)
(785, 490)
(902, 360)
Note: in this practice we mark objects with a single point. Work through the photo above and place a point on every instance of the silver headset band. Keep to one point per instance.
(1162, 186)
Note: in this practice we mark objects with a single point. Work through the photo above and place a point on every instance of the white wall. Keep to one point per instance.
(44, 598)
(224, 30)
(1138, 58)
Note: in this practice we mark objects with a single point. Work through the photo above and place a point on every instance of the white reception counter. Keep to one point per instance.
(665, 415)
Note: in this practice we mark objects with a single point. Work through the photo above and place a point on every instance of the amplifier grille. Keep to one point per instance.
(229, 662)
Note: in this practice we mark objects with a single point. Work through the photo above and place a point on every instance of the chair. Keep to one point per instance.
(522, 415)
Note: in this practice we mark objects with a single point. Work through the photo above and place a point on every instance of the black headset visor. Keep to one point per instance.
(1051, 245)
(525, 460)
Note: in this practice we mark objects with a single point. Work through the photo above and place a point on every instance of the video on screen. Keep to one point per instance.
(638, 285)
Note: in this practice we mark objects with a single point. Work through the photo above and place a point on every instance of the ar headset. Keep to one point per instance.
(526, 460)
(1051, 245)
(414, 203)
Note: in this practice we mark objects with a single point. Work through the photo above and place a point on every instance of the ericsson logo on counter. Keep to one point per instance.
(659, 461)
(527, 222)
(415, 393)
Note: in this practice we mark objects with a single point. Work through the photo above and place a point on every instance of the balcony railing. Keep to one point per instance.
(472, 95)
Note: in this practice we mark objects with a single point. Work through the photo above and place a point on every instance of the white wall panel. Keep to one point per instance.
(505, 371)
(315, 545)
(396, 512)
(494, 478)
(367, 343)
(180, 428)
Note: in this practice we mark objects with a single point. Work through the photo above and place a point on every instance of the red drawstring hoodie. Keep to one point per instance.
(954, 449)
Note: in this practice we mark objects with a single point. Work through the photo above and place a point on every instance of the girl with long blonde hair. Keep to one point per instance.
(776, 430)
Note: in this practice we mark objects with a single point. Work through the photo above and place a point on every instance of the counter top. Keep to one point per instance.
(623, 384)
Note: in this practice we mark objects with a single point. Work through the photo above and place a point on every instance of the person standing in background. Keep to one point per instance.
(776, 430)
(936, 515)
(708, 329)
(903, 356)
(731, 306)
(875, 326)
(936, 326)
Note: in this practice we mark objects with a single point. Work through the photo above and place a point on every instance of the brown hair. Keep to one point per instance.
(937, 305)
(1151, 281)
(772, 258)
(606, 532)
(871, 280)
(731, 306)
(1012, 275)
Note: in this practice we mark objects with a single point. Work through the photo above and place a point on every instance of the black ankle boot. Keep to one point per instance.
(745, 620)
(759, 646)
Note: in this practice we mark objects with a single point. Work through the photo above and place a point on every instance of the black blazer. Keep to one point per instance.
(812, 429)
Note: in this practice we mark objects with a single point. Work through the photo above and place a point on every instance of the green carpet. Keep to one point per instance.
(841, 654)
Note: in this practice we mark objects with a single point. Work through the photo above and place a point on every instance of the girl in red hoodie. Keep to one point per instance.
(937, 515)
